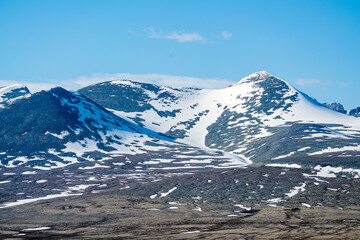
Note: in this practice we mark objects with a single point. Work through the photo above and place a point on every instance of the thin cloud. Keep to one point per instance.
(33, 87)
(310, 82)
(345, 84)
(179, 36)
(226, 35)
(159, 79)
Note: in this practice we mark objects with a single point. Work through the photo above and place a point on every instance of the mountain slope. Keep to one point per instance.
(261, 117)
(12, 93)
(55, 128)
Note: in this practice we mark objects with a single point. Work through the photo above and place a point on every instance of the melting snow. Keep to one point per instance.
(198, 209)
(275, 200)
(29, 172)
(284, 165)
(41, 181)
(306, 205)
(242, 206)
(35, 229)
(95, 166)
(190, 232)
(296, 190)
(167, 193)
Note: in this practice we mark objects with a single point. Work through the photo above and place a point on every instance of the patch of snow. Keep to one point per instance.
(242, 206)
(168, 192)
(41, 181)
(51, 196)
(118, 164)
(190, 232)
(275, 200)
(60, 136)
(95, 166)
(284, 165)
(176, 203)
(197, 209)
(306, 205)
(296, 190)
(331, 150)
(29, 172)
(35, 229)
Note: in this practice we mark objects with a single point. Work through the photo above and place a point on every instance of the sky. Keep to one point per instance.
(314, 45)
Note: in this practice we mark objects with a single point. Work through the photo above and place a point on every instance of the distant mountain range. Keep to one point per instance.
(261, 118)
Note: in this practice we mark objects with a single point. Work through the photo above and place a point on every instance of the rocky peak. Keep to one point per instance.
(257, 77)
(336, 107)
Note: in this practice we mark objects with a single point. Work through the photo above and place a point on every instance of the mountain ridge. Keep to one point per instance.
(12, 93)
(263, 101)
(55, 128)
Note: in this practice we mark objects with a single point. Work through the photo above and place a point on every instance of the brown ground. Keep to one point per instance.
(109, 216)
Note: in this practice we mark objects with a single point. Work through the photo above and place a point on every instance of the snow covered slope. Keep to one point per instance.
(12, 93)
(260, 117)
(55, 128)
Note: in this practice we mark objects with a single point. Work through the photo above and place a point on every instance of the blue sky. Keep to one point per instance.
(314, 45)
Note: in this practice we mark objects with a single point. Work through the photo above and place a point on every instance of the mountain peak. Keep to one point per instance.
(261, 75)
(12, 93)
(257, 76)
(13, 87)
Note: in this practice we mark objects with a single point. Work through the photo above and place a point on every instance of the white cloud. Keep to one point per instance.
(33, 87)
(179, 36)
(310, 82)
(226, 35)
(160, 79)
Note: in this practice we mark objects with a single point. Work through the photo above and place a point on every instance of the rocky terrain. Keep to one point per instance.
(246, 203)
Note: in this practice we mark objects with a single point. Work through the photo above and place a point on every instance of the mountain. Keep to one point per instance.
(261, 117)
(338, 107)
(55, 128)
(355, 112)
(155, 156)
(12, 93)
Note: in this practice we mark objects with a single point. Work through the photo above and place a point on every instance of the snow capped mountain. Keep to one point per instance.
(260, 117)
(12, 93)
(122, 131)
(55, 128)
